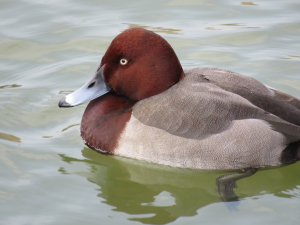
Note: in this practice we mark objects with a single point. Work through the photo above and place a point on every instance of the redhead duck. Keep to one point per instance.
(144, 106)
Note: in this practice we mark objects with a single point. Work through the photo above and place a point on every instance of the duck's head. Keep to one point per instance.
(138, 64)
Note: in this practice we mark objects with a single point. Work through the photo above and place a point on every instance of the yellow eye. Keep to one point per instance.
(123, 61)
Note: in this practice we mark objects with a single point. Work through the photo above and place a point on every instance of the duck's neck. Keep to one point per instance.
(104, 120)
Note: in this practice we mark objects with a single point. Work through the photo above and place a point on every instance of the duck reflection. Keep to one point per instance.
(157, 194)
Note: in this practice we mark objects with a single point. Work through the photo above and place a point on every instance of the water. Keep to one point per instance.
(49, 48)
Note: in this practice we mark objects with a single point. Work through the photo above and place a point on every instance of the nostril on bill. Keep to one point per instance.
(91, 85)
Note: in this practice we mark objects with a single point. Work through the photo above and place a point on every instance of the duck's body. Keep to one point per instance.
(202, 118)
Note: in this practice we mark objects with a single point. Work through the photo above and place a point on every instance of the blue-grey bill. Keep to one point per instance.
(91, 90)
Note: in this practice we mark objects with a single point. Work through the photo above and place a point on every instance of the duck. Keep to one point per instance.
(143, 105)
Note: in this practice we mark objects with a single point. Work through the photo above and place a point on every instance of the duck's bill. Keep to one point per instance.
(91, 90)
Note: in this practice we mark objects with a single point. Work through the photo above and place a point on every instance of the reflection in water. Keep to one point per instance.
(65, 92)
(10, 86)
(233, 24)
(9, 137)
(155, 29)
(156, 194)
(289, 57)
(250, 27)
(248, 3)
(68, 127)
(212, 28)
(282, 58)
(238, 25)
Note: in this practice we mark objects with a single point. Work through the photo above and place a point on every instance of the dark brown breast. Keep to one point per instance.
(104, 120)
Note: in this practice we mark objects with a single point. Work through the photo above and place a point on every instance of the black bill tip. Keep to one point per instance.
(63, 104)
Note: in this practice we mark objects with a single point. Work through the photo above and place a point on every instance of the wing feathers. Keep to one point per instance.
(207, 101)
